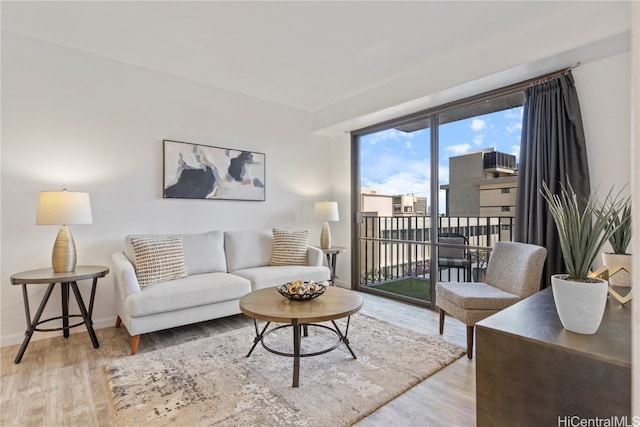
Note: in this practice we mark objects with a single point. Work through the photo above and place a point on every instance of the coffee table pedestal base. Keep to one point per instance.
(300, 330)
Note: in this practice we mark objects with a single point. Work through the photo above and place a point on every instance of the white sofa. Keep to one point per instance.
(220, 267)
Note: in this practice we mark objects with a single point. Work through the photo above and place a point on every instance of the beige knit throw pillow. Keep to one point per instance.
(158, 259)
(289, 247)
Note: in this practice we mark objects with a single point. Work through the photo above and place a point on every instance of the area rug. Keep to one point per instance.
(211, 382)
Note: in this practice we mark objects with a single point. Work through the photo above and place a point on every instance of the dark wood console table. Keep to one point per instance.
(530, 371)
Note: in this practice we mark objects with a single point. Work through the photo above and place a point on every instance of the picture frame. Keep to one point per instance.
(196, 171)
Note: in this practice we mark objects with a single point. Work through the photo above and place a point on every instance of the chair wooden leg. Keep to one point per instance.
(470, 342)
(441, 321)
(118, 322)
(135, 340)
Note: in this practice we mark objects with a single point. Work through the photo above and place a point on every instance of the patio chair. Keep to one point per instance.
(513, 274)
(454, 257)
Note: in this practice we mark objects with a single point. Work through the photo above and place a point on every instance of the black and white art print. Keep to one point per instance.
(193, 171)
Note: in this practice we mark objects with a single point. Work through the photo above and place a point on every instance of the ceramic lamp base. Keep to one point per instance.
(63, 258)
(325, 236)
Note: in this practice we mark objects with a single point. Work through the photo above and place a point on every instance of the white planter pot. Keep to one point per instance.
(580, 305)
(612, 261)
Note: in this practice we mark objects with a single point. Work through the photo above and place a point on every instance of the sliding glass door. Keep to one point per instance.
(395, 182)
(432, 194)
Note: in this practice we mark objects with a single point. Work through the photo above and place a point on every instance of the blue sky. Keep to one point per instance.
(395, 162)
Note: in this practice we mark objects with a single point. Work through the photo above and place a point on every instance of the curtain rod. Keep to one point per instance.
(495, 93)
(546, 77)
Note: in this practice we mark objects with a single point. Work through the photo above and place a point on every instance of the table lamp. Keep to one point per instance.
(326, 211)
(63, 208)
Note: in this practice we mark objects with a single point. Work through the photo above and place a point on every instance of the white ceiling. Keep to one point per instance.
(305, 55)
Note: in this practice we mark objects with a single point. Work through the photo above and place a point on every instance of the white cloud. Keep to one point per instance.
(408, 145)
(514, 118)
(459, 149)
(402, 183)
(419, 188)
(513, 127)
(407, 182)
(477, 125)
(387, 135)
(477, 140)
(515, 150)
(374, 138)
(443, 174)
(514, 113)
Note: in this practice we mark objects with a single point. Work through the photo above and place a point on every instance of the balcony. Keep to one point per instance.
(396, 258)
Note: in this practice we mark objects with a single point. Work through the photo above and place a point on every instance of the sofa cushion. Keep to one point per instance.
(204, 252)
(158, 259)
(190, 291)
(289, 247)
(265, 277)
(245, 249)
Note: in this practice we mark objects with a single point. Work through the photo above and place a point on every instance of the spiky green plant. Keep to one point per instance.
(582, 231)
(621, 238)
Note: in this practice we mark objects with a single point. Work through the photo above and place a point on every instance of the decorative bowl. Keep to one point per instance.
(301, 291)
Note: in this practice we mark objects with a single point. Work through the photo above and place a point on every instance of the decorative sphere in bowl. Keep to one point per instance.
(299, 290)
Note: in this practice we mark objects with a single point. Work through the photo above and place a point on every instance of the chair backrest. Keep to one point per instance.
(516, 267)
(454, 239)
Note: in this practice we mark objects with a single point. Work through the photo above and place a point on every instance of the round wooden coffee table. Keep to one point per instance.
(268, 305)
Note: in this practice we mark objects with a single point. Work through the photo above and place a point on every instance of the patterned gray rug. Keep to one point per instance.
(211, 382)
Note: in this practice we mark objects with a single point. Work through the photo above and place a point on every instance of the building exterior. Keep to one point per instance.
(375, 204)
(482, 183)
(372, 203)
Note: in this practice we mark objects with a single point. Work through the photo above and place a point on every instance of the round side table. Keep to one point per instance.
(47, 276)
(331, 254)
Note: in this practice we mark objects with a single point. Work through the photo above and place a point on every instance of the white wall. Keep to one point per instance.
(82, 122)
(605, 100)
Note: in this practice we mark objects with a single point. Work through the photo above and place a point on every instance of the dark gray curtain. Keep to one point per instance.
(553, 150)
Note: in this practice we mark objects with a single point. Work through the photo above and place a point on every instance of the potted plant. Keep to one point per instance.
(583, 230)
(619, 242)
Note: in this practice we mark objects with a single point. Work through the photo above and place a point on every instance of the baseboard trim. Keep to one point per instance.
(15, 339)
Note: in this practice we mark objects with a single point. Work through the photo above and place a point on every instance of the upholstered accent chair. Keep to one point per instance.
(513, 274)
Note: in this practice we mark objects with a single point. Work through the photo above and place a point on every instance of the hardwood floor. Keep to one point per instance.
(62, 382)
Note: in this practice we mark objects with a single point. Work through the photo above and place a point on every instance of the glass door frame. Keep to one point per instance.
(492, 101)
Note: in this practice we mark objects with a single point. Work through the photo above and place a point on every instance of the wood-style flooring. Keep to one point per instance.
(61, 382)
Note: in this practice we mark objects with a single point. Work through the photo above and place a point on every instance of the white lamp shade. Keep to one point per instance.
(326, 211)
(63, 208)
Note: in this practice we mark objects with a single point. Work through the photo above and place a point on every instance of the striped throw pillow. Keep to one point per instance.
(158, 259)
(289, 247)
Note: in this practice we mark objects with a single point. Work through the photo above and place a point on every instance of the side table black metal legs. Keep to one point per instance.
(331, 263)
(32, 325)
(332, 255)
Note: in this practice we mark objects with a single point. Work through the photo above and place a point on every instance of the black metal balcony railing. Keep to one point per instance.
(393, 248)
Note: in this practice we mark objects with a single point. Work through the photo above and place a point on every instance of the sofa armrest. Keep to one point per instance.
(314, 256)
(125, 275)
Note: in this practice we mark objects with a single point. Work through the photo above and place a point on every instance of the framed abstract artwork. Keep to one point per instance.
(193, 171)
